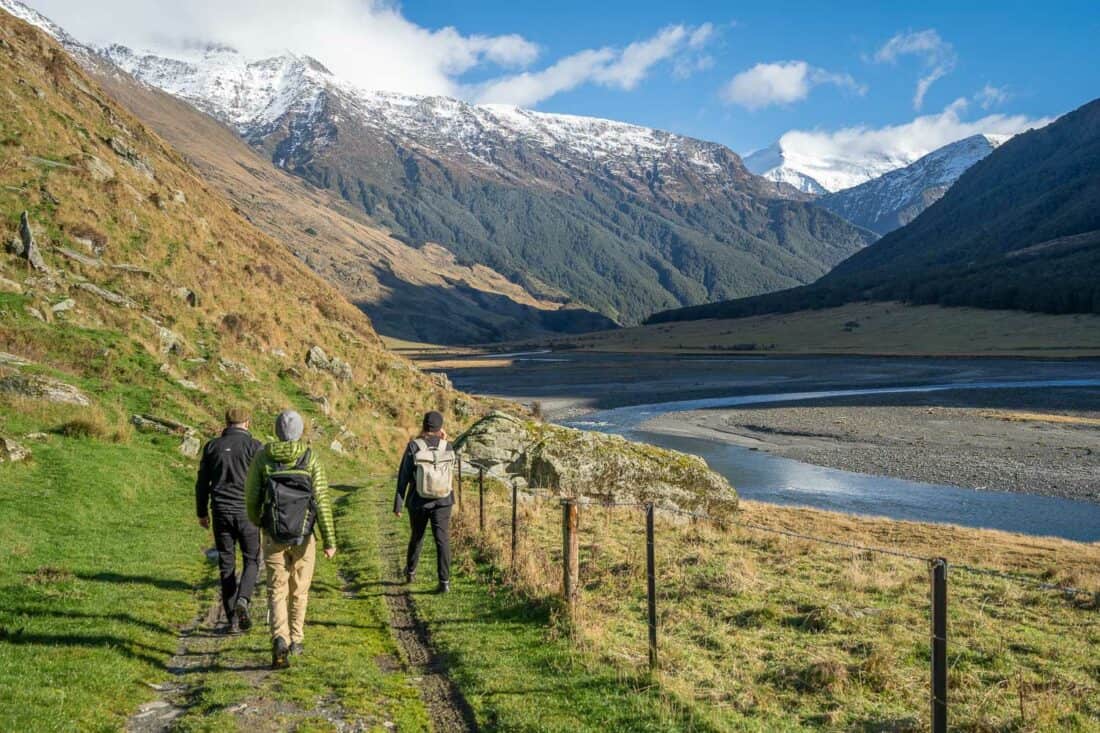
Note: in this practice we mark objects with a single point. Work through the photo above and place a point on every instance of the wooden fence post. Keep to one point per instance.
(481, 499)
(514, 521)
(570, 556)
(939, 645)
(651, 586)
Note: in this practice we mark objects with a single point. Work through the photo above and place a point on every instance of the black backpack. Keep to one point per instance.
(289, 510)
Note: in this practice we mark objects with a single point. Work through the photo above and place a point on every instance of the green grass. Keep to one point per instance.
(507, 653)
(106, 565)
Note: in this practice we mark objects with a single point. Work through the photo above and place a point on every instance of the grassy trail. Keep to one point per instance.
(104, 577)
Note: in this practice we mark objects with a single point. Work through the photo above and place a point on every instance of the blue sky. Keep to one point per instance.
(1043, 56)
(739, 73)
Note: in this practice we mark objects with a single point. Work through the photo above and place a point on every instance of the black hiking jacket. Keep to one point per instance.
(223, 470)
(406, 482)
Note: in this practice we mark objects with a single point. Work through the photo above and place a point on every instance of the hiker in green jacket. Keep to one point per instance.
(286, 494)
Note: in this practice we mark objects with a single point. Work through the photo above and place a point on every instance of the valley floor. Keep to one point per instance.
(1038, 442)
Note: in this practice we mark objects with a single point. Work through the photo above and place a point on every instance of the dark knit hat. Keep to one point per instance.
(236, 416)
(433, 421)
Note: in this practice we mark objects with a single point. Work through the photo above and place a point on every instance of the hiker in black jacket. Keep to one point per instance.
(422, 509)
(220, 486)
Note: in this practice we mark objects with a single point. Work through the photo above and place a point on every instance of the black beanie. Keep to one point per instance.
(433, 421)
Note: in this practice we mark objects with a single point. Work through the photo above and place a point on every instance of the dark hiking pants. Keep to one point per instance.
(231, 530)
(440, 519)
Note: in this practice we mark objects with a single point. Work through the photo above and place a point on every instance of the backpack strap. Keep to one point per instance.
(442, 445)
(421, 444)
(303, 462)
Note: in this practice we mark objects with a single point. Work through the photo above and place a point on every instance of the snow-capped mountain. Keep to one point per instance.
(559, 203)
(896, 198)
(254, 96)
(812, 173)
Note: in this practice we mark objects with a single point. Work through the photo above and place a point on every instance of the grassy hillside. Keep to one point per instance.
(865, 328)
(1019, 230)
(158, 299)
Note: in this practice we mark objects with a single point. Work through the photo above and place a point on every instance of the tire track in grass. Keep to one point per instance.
(447, 706)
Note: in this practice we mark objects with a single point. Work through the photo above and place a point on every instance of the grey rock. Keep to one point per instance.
(317, 358)
(442, 381)
(98, 169)
(188, 384)
(170, 341)
(131, 269)
(26, 247)
(38, 437)
(341, 370)
(147, 423)
(64, 306)
(38, 387)
(7, 359)
(237, 368)
(190, 446)
(178, 197)
(112, 298)
(593, 466)
(186, 295)
(12, 452)
(34, 312)
(337, 447)
(82, 259)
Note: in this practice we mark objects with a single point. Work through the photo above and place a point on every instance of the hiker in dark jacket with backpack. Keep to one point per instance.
(287, 496)
(220, 486)
(424, 486)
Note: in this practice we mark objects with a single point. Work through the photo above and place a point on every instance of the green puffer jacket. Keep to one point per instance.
(290, 452)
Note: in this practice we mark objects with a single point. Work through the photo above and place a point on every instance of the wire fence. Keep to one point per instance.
(993, 642)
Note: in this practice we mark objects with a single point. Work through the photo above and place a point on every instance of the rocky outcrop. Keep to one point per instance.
(113, 298)
(595, 466)
(316, 358)
(42, 388)
(26, 247)
(12, 452)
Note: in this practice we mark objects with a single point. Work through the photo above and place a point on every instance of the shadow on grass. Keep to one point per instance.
(122, 579)
(122, 617)
(106, 642)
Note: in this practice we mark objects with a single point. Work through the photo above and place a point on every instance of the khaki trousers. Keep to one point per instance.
(289, 573)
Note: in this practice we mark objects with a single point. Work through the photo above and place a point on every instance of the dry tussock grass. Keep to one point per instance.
(796, 633)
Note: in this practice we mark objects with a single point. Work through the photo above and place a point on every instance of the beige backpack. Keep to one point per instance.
(434, 469)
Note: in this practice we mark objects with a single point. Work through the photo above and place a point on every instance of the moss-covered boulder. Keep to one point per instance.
(596, 466)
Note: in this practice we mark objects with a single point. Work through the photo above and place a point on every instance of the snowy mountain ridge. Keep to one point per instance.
(253, 95)
(896, 198)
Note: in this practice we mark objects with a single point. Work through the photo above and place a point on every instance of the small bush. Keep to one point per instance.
(95, 427)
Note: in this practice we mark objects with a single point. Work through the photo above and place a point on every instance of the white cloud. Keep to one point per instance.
(938, 57)
(851, 147)
(991, 96)
(609, 67)
(782, 82)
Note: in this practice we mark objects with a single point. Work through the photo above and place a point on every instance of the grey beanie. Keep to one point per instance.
(289, 425)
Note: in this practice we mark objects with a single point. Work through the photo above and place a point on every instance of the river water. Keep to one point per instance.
(764, 477)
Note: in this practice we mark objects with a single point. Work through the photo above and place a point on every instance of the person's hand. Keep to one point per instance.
(397, 514)
(204, 522)
(330, 552)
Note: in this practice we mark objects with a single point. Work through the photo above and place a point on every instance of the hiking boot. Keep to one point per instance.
(231, 625)
(296, 649)
(279, 654)
(241, 615)
(444, 587)
(410, 577)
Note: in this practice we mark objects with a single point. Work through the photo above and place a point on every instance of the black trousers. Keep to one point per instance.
(232, 529)
(440, 519)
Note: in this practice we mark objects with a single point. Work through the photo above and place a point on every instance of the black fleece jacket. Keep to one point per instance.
(223, 470)
(406, 482)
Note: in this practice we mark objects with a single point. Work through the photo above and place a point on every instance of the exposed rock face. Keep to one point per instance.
(26, 247)
(12, 452)
(316, 358)
(43, 388)
(190, 446)
(113, 298)
(593, 465)
(154, 424)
